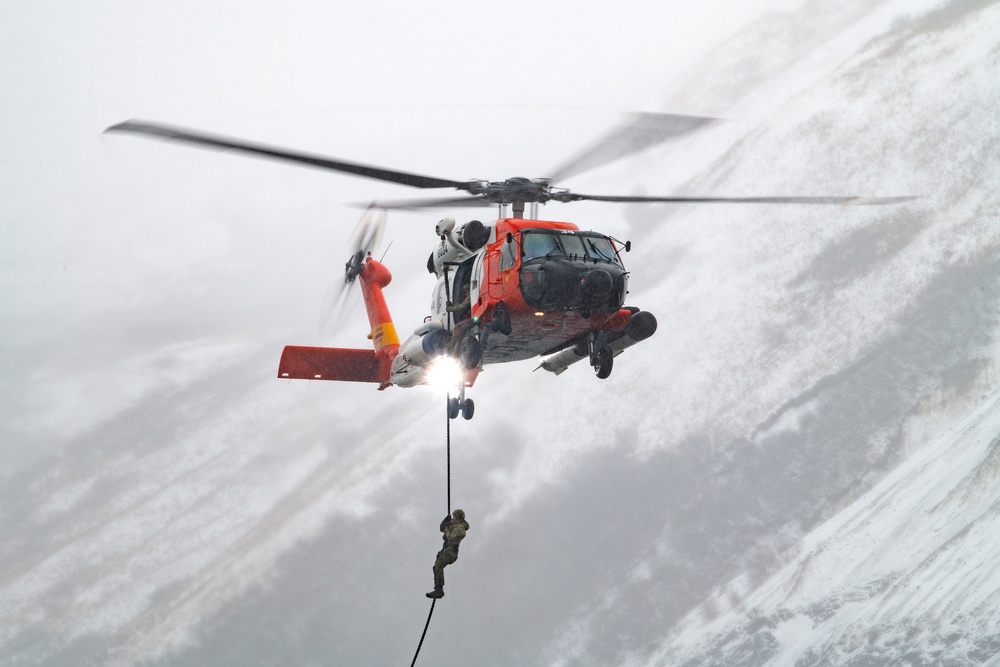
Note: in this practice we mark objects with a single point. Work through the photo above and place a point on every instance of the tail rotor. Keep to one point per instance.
(341, 296)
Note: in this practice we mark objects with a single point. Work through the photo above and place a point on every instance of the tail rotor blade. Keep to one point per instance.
(341, 295)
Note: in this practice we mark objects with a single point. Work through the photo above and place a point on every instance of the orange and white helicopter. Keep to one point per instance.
(512, 289)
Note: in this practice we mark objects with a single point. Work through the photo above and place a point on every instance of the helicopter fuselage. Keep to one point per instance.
(531, 288)
(550, 280)
(510, 290)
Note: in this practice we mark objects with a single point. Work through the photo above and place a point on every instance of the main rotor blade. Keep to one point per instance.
(215, 141)
(843, 201)
(640, 131)
(404, 204)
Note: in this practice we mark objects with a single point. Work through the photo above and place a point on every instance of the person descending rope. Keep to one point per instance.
(454, 528)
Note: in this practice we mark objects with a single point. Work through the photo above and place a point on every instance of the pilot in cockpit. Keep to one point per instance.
(539, 245)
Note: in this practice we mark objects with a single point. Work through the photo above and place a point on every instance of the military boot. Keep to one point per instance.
(436, 593)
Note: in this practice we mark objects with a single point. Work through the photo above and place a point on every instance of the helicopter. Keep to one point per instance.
(511, 289)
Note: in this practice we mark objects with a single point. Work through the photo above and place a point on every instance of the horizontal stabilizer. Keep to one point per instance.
(329, 363)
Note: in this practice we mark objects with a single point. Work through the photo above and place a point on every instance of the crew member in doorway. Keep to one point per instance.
(454, 528)
(463, 323)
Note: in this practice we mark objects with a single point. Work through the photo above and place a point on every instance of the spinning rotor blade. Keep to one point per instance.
(341, 295)
(640, 131)
(566, 197)
(406, 204)
(262, 150)
(843, 201)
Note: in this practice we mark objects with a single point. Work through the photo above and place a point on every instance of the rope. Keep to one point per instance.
(447, 415)
(448, 317)
(426, 625)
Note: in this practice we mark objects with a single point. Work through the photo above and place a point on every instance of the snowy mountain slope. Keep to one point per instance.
(879, 319)
(222, 517)
(906, 574)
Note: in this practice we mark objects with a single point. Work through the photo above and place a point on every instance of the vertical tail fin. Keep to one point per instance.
(329, 363)
(383, 333)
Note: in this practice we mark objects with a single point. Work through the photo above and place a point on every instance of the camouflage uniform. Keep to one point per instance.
(461, 327)
(454, 528)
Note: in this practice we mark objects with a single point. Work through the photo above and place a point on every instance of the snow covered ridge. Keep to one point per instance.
(907, 573)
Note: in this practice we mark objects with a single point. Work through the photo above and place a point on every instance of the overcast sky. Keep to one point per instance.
(96, 229)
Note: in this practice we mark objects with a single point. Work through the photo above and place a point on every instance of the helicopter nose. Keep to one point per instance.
(596, 281)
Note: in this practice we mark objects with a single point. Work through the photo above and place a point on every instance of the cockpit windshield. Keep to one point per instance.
(537, 244)
(599, 247)
(575, 246)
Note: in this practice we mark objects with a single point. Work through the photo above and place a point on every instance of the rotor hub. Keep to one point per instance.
(354, 266)
(517, 189)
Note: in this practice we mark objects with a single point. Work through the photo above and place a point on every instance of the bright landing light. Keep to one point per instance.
(445, 373)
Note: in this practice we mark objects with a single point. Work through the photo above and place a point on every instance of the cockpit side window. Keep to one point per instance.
(508, 255)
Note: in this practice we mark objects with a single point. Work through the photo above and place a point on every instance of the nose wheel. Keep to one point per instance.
(602, 359)
(604, 363)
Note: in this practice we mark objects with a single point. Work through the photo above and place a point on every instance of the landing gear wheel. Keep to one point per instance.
(454, 407)
(605, 362)
(468, 409)
(470, 353)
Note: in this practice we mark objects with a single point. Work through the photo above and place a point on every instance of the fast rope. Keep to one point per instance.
(434, 600)
(426, 625)
(448, 437)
